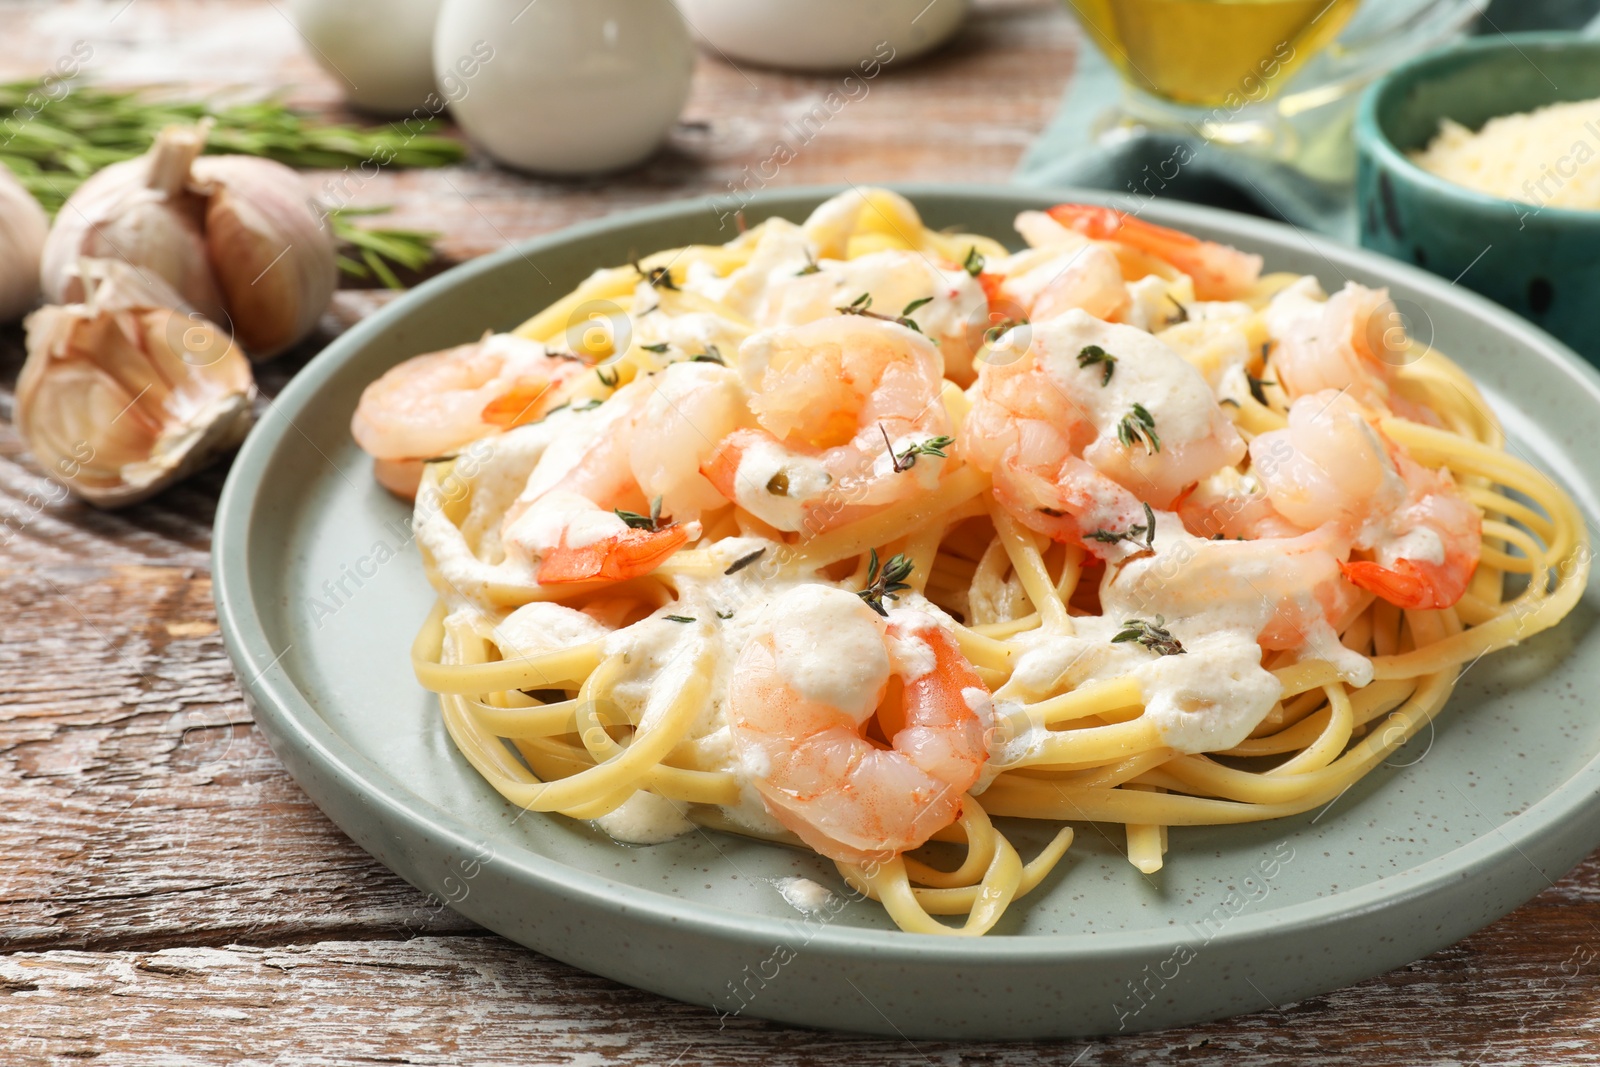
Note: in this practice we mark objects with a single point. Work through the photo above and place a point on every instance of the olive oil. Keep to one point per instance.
(1223, 53)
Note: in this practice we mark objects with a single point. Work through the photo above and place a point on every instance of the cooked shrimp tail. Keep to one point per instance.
(1219, 272)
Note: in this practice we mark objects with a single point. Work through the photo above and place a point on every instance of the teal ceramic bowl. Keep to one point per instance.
(1543, 263)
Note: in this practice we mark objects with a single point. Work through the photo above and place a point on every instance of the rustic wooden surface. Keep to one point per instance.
(168, 895)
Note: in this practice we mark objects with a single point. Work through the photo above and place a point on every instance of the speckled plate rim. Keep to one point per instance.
(1370, 134)
(1570, 810)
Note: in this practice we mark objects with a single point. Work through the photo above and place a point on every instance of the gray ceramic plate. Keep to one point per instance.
(1465, 823)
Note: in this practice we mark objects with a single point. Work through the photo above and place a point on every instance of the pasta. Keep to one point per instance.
(1147, 538)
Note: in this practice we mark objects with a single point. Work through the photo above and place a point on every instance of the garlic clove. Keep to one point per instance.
(140, 211)
(270, 251)
(23, 226)
(126, 394)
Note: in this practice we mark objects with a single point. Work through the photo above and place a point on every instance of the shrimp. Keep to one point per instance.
(805, 690)
(948, 305)
(626, 497)
(1086, 277)
(1092, 420)
(836, 403)
(1219, 272)
(1346, 342)
(432, 404)
(1331, 467)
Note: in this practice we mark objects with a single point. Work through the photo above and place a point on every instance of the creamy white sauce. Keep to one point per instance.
(645, 819)
(803, 894)
(893, 279)
(781, 502)
(829, 649)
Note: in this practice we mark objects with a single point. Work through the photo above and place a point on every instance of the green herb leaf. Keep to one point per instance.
(712, 354)
(658, 277)
(609, 381)
(660, 349)
(1139, 427)
(744, 561)
(1152, 635)
(1256, 385)
(887, 581)
(1092, 354)
(974, 263)
(680, 618)
(651, 522)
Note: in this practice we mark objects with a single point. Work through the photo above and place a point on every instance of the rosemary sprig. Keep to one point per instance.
(652, 522)
(974, 263)
(1139, 427)
(887, 581)
(907, 458)
(374, 251)
(1132, 535)
(1152, 635)
(52, 145)
(1093, 354)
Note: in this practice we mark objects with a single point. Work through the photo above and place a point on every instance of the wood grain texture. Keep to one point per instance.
(169, 896)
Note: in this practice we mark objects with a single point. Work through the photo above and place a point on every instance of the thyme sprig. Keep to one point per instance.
(652, 522)
(744, 561)
(906, 458)
(712, 354)
(1133, 534)
(1093, 354)
(862, 305)
(1139, 427)
(811, 266)
(658, 277)
(974, 263)
(886, 581)
(1256, 385)
(995, 332)
(1152, 635)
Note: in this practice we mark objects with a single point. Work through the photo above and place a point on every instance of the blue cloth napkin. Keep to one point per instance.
(1140, 165)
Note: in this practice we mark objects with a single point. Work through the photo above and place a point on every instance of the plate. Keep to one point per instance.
(319, 592)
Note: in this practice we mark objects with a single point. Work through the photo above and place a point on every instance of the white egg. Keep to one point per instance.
(824, 34)
(380, 51)
(566, 86)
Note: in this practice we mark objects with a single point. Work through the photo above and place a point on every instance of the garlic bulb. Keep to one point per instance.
(273, 257)
(235, 236)
(23, 225)
(127, 393)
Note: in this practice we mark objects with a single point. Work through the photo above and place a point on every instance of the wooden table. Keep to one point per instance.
(167, 893)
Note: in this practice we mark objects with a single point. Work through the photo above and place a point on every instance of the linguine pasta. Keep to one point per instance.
(1153, 626)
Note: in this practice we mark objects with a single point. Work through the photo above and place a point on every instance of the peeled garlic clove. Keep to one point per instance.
(140, 211)
(23, 226)
(273, 257)
(128, 393)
